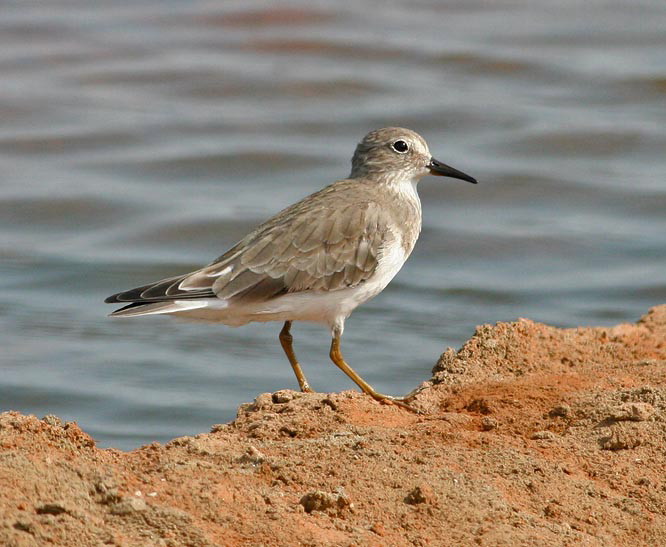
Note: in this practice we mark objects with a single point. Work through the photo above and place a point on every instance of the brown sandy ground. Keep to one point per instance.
(532, 435)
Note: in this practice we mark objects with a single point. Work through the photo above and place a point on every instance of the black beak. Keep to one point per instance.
(442, 170)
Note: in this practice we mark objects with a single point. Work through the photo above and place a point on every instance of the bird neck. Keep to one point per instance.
(404, 206)
(404, 187)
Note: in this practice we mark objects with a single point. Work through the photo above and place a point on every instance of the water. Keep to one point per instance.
(142, 139)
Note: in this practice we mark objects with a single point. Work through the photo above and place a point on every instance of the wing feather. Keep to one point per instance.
(316, 244)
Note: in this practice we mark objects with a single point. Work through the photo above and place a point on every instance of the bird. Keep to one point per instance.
(316, 260)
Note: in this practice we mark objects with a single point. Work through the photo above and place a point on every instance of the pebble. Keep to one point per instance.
(543, 436)
(252, 456)
(128, 506)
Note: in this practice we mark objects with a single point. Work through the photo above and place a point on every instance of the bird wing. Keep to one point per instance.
(312, 245)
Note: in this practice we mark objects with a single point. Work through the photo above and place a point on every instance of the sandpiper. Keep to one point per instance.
(316, 260)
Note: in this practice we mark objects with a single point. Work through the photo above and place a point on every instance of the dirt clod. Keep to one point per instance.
(560, 411)
(54, 508)
(324, 501)
(488, 423)
(52, 420)
(635, 412)
(622, 437)
(283, 396)
(422, 493)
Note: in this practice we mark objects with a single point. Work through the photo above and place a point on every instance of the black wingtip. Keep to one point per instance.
(127, 307)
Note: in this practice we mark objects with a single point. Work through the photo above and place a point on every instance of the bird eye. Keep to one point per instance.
(400, 146)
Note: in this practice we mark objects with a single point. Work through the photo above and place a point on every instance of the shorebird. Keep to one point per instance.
(316, 260)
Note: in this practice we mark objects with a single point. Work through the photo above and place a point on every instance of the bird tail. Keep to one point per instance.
(136, 309)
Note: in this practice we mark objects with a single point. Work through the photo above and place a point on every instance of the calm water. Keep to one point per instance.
(141, 139)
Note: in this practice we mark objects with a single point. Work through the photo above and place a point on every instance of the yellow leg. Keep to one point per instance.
(339, 360)
(286, 340)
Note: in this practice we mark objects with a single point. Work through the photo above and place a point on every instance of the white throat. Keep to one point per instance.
(406, 188)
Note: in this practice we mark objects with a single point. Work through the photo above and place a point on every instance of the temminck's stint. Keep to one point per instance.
(317, 259)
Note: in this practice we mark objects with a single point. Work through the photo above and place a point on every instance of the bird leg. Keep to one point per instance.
(286, 340)
(339, 360)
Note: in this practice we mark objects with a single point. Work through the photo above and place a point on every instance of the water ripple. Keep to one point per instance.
(139, 142)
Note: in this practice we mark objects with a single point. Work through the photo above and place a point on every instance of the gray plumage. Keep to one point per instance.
(327, 241)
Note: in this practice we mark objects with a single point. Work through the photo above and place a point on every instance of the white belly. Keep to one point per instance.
(327, 307)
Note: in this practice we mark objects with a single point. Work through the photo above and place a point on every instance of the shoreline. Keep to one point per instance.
(531, 434)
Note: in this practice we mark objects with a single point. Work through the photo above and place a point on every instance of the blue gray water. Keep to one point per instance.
(141, 139)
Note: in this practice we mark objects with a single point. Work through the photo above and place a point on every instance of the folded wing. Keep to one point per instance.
(316, 249)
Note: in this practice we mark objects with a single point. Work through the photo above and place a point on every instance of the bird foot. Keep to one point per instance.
(398, 401)
(410, 395)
